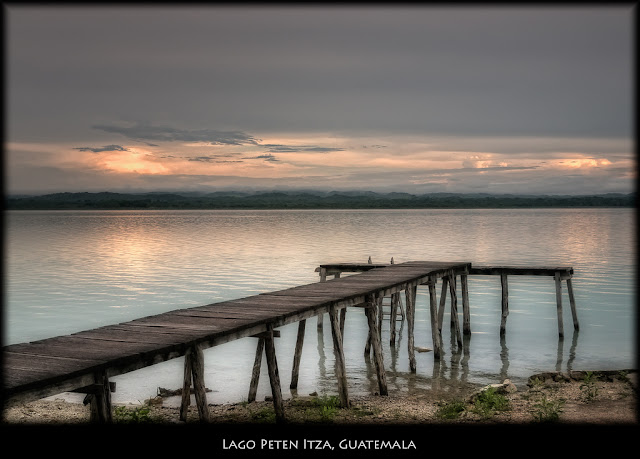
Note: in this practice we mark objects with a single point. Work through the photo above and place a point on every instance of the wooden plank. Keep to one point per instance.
(521, 270)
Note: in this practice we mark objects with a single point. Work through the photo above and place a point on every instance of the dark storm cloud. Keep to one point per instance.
(170, 134)
(462, 71)
(101, 149)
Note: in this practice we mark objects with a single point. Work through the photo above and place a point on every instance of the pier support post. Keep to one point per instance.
(186, 387)
(443, 299)
(572, 301)
(323, 278)
(410, 295)
(392, 320)
(466, 315)
(297, 355)
(559, 304)
(197, 373)
(505, 303)
(194, 371)
(370, 312)
(378, 308)
(255, 374)
(101, 400)
(339, 354)
(274, 378)
(455, 324)
(433, 307)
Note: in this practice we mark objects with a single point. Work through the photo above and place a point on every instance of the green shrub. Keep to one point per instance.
(547, 410)
(451, 410)
(138, 415)
(488, 402)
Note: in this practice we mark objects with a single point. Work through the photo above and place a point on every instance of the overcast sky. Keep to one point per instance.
(419, 99)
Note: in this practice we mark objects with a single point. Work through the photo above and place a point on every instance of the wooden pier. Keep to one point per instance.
(84, 361)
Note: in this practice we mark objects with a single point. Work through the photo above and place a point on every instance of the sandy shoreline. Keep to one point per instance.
(609, 398)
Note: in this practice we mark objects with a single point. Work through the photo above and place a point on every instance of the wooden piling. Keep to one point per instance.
(410, 295)
(101, 400)
(370, 312)
(392, 320)
(274, 378)
(255, 374)
(339, 354)
(443, 299)
(197, 373)
(466, 315)
(455, 324)
(505, 303)
(572, 301)
(559, 303)
(186, 387)
(297, 355)
(436, 336)
(323, 278)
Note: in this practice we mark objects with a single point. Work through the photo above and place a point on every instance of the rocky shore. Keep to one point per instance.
(594, 398)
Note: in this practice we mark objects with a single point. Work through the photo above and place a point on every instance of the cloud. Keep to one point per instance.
(213, 159)
(276, 148)
(268, 157)
(169, 134)
(101, 149)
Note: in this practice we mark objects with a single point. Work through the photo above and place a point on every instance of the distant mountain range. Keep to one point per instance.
(307, 200)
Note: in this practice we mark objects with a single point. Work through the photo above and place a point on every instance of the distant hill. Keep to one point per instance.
(307, 200)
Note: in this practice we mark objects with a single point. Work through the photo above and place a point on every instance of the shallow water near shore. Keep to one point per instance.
(67, 271)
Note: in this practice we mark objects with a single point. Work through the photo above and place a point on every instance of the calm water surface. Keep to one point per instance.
(67, 271)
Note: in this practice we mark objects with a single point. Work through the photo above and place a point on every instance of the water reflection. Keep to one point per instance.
(71, 271)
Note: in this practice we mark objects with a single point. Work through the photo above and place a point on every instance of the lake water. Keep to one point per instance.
(67, 271)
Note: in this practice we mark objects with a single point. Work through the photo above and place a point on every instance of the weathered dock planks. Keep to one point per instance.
(85, 361)
(47, 367)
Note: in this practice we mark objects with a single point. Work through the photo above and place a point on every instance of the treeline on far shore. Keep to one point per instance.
(303, 200)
